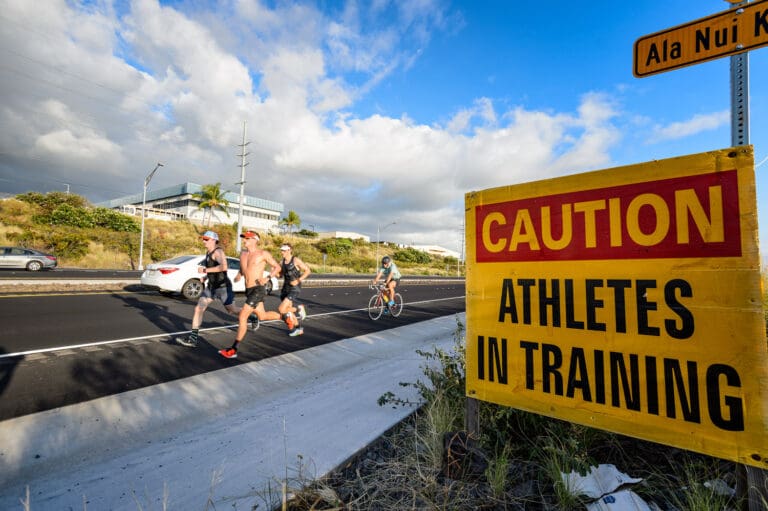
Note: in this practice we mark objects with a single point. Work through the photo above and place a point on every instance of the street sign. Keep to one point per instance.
(727, 33)
(626, 299)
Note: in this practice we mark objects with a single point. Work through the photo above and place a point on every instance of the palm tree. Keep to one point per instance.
(211, 197)
(291, 220)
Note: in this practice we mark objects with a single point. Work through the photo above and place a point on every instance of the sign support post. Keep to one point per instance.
(740, 99)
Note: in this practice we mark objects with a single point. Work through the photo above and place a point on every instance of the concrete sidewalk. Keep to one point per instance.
(226, 436)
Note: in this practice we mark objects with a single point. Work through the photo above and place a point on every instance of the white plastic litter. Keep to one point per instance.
(601, 484)
(600, 481)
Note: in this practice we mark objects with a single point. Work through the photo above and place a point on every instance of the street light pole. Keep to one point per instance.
(378, 239)
(143, 214)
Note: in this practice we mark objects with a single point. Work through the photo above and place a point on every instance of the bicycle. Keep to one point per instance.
(377, 305)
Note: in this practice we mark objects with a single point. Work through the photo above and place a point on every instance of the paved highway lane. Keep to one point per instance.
(63, 349)
(68, 273)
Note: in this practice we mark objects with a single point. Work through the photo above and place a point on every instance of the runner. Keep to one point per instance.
(253, 261)
(218, 286)
(294, 272)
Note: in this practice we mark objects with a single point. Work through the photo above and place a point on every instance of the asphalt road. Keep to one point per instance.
(60, 349)
(68, 273)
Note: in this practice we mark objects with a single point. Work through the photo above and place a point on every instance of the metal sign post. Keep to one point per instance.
(740, 97)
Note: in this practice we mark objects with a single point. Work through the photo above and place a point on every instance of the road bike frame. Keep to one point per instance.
(377, 305)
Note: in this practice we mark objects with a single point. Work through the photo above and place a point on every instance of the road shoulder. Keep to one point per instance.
(225, 435)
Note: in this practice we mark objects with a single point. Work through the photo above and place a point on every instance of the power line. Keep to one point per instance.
(61, 70)
(46, 181)
(78, 93)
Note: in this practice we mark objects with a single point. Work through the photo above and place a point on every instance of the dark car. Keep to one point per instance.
(32, 260)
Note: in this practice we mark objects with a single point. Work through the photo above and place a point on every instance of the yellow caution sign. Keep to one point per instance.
(625, 299)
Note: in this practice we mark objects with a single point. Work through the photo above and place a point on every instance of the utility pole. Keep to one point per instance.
(243, 163)
(143, 214)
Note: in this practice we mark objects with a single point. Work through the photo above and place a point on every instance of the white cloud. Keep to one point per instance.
(482, 110)
(176, 87)
(68, 145)
(696, 124)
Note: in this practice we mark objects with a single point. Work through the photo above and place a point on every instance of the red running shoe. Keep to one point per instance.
(228, 353)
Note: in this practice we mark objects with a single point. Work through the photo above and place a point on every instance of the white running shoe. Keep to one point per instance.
(302, 312)
(189, 342)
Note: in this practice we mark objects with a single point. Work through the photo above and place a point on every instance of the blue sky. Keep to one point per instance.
(358, 113)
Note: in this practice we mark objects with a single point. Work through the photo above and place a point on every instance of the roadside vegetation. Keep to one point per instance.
(516, 463)
(84, 236)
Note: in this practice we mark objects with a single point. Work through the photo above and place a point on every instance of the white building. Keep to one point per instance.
(343, 234)
(178, 203)
(437, 250)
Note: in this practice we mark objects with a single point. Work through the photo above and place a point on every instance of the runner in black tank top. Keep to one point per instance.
(294, 272)
(218, 286)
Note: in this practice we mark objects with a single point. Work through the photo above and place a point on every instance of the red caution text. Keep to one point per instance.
(691, 216)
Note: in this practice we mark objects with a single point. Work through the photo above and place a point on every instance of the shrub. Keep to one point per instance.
(66, 214)
(336, 247)
(114, 221)
(22, 239)
(412, 255)
(71, 245)
(50, 201)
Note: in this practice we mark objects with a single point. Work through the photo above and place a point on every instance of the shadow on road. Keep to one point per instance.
(7, 368)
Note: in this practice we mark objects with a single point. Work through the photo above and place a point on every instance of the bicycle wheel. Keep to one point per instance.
(375, 307)
(397, 308)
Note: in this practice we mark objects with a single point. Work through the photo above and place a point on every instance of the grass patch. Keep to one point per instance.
(516, 464)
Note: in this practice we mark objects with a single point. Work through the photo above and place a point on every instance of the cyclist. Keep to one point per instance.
(391, 276)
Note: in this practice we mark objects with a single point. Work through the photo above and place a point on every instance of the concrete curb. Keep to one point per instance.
(250, 423)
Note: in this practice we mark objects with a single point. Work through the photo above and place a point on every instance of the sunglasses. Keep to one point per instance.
(207, 239)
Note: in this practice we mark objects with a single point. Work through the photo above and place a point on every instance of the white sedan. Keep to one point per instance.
(180, 275)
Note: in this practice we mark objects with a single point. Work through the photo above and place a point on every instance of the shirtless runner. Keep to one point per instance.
(253, 261)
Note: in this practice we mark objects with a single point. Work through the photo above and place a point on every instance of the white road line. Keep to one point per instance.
(182, 332)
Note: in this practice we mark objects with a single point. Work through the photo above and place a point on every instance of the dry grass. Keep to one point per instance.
(409, 468)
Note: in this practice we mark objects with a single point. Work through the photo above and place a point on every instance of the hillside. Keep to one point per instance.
(86, 237)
